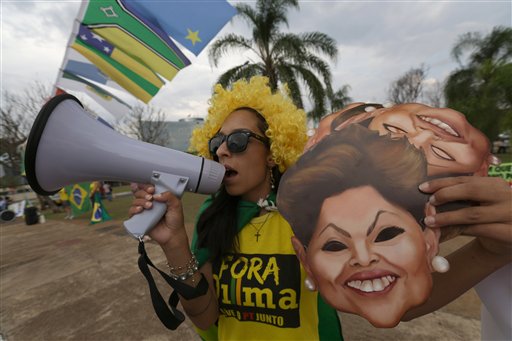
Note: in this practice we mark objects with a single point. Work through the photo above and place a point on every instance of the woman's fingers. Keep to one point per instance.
(172, 201)
(481, 190)
(436, 184)
(136, 187)
(465, 216)
(487, 212)
(134, 210)
(454, 189)
(143, 197)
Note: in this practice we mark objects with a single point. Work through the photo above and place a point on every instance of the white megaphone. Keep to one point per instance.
(67, 145)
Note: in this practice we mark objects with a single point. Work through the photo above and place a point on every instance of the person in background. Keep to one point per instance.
(94, 192)
(64, 201)
(241, 244)
(107, 190)
(3, 204)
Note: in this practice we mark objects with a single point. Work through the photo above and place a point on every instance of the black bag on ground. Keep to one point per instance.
(31, 215)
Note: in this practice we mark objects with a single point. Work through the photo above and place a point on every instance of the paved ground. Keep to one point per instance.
(70, 281)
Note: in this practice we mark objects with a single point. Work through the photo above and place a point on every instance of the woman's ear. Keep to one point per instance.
(270, 161)
(300, 251)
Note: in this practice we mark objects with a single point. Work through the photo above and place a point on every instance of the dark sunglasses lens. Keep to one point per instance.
(215, 143)
(237, 142)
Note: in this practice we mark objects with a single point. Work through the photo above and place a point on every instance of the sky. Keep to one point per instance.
(377, 41)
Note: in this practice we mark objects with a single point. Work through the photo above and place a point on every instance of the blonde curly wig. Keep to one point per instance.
(286, 123)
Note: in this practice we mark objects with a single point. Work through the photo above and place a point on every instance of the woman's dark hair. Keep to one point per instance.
(217, 225)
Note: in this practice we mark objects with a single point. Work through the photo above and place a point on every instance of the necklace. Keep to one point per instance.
(260, 226)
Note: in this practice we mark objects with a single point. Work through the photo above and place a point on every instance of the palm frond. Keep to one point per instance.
(320, 43)
(321, 67)
(300, 60)
(340, 98)
(287, 76)
(313, 84)
(238, 72)
(226, 43)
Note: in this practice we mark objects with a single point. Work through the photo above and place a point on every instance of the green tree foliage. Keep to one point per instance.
(289, 58)
(481, 88)
(340, 98)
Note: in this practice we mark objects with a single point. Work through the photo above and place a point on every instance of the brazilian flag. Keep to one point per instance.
(99, 212)
(79, 198)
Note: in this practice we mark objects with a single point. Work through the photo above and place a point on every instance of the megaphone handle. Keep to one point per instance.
(141, 223)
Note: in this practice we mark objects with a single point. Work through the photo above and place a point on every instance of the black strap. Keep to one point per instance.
(171, 318)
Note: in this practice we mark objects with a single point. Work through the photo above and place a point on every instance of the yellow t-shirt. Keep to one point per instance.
(261, 289)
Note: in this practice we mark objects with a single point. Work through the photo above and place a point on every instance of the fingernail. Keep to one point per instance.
(423, 187)
(148, 197)
(157, 195)
(432, 200)
(138, 208)
(430, 220)
(148, 204)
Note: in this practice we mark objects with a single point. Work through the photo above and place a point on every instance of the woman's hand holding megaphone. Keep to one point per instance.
(170, 231)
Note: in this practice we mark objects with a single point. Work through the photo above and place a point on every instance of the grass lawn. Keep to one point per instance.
(118, 207)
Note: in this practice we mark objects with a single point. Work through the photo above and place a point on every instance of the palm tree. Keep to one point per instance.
(282, 57)
(340, 98)
(482, 88)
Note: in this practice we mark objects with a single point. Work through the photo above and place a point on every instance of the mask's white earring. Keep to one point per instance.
(440, 264)
(308, 283)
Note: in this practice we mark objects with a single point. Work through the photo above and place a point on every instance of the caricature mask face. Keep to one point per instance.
(450, 143)
(353, 200)
(369, 257)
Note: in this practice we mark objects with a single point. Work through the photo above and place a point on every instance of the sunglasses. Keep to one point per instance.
(236, 142)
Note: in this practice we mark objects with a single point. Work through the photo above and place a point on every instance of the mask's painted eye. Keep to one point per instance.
(441, 153)
(394, 129)
(389, 233)
(333, 246)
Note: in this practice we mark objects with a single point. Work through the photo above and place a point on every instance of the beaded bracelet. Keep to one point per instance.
(190, 269)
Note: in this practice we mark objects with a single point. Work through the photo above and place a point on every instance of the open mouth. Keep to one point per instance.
(440, 124)
(373, 285)
(230, 172)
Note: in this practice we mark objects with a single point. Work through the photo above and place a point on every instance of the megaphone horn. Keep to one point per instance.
(67, 145)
